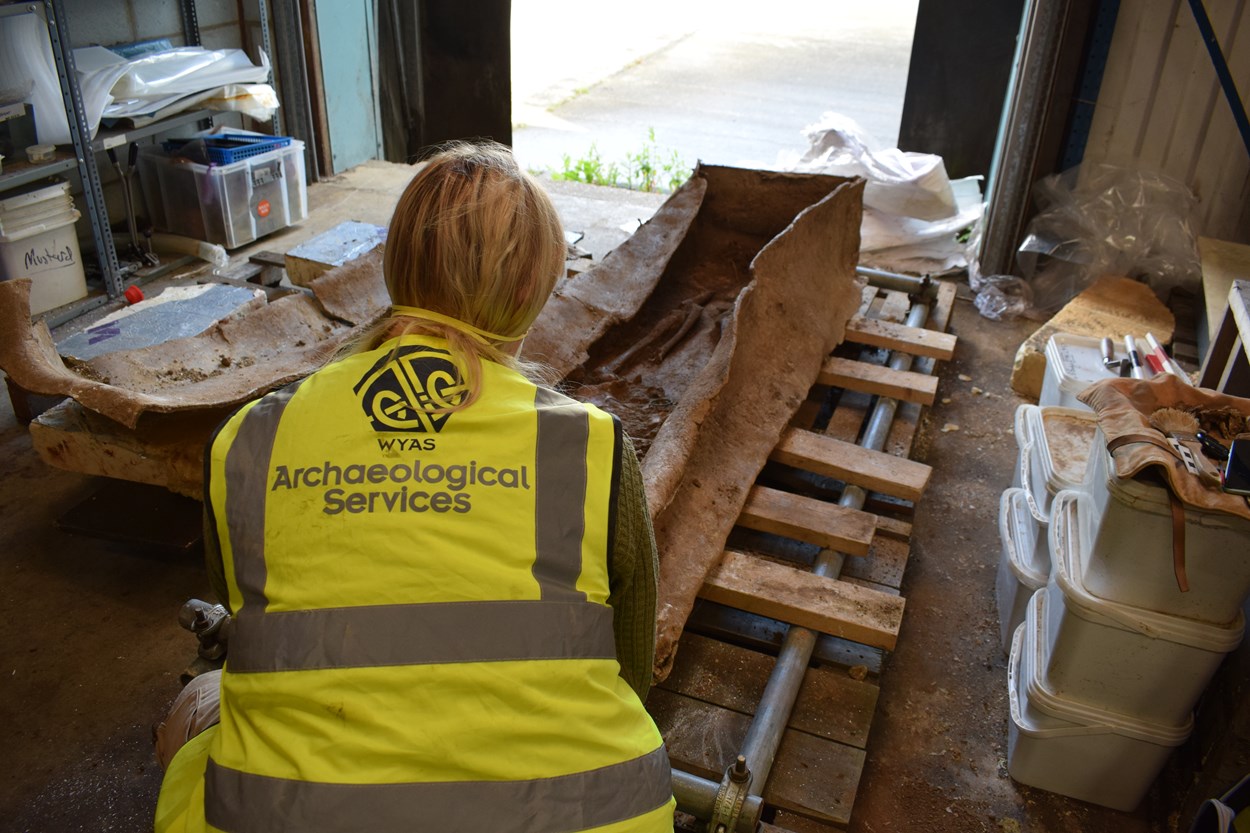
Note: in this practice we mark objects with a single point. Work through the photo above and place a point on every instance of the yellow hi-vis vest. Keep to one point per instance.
(422, 639)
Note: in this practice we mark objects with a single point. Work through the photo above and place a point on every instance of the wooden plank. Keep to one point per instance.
(805, 415)
(904, 385)
(880, 503)
(873, 470)
(884, 564)
(815, 521)
(943, 306)
(802, 598)
(903, 430)
(1222, 263)
(895, 306)
(868, 297)
(893, 527)
(871, 585)
(848, 417)
(764, 634)
(830, 704)
(915, 341)
(810, 776)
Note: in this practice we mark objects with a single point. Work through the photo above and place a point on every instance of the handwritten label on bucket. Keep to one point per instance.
(40, 259)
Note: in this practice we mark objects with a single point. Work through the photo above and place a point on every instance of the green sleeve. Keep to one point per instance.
(633, 567)
(212, 561)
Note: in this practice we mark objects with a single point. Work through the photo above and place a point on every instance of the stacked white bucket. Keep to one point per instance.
(38, 241)
(1107, 656)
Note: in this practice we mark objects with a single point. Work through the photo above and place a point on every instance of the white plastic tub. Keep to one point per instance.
(1138, 662)
(1024, 564)
(1129, 558)
(1073, 363)
(36, 209)
(1075, 750)
(47, 253)
(1054, 448)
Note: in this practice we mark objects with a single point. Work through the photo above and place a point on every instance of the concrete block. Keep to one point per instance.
(223, 36)
(90, 22)
(156, 20)
(216, 12)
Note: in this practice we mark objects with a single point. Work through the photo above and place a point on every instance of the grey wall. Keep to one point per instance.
(108, 22)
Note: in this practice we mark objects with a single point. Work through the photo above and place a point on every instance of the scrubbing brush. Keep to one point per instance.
(1181, 429)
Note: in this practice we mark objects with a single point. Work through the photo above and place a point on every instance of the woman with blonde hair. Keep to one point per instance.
(441, 574)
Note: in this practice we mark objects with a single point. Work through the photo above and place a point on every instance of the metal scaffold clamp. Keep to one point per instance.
(730, 798)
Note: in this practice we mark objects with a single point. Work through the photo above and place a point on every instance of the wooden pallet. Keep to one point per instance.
(764, 582)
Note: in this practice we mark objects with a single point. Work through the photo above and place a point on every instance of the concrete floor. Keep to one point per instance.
(722, 82)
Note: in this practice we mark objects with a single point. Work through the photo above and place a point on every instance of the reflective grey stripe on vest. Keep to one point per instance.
(247, 465)
(560, 494)
(373, 636)
(243, 803)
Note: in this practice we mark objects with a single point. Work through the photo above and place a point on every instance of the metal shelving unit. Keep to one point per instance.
(21, 173)
(53, 18)
(83, 149)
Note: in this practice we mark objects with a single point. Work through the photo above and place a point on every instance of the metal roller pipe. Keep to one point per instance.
(697, 796)
(923, 287)
(773, 713)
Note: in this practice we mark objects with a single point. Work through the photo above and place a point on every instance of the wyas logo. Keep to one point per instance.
(407, 390)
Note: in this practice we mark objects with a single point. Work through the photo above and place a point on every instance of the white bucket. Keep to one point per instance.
(1073, 749)
(45, 206)
(1020, 570)
(1073, 363)
(1138, 662)
(1129, 559)
(1054, 447)
(48, 254)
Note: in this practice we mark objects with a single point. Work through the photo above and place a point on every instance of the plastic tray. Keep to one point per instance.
(228, 148)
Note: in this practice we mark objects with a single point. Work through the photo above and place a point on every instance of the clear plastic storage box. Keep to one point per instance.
(231, 204)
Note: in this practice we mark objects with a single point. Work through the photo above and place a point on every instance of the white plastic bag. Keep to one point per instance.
(913, 213)
(900, 183)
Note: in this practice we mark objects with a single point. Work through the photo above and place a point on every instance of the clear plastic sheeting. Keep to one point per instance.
(26, 63)
(1104, 220)
(157, 82)
(915, 216)
(1001, 296)
(152, 84)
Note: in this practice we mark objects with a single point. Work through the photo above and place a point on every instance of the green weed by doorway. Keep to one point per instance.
(650, 169)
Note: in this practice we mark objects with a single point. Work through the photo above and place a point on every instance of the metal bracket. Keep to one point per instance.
(734, 789)
(210, 623)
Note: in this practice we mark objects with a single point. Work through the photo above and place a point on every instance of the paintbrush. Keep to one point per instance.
(1181, 429)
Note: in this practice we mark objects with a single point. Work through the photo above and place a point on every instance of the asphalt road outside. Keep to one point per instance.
(730, 82)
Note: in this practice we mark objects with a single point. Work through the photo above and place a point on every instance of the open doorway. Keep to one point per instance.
(722, 82)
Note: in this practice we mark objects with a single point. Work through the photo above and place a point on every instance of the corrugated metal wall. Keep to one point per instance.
(1161, 107)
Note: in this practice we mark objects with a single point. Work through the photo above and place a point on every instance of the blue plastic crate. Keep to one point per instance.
(228, 148)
